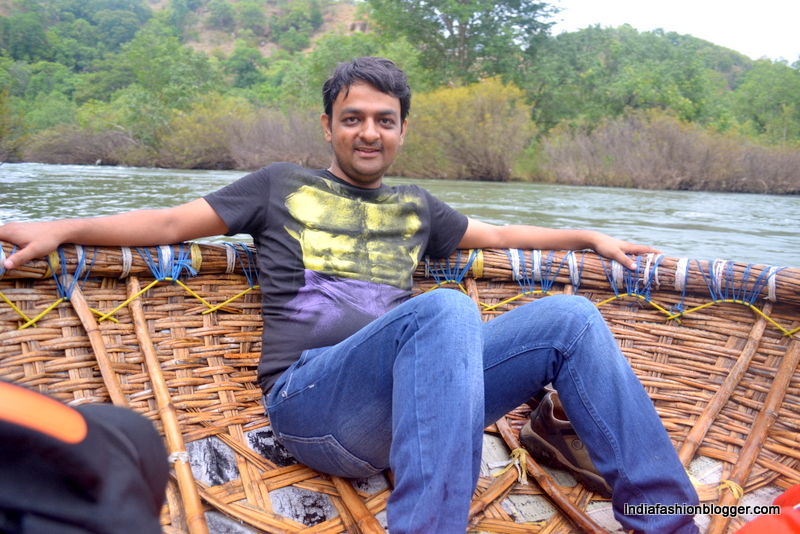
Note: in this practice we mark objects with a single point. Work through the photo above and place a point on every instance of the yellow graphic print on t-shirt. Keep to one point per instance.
(352, 238)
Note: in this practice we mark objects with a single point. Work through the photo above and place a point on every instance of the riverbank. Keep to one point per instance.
(643, 150)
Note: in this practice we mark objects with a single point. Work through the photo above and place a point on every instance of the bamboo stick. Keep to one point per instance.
(499, 486)
(761, 426)
(551, 489)
(195, 517)
(698, 432)
(364, 521)
(98, 347)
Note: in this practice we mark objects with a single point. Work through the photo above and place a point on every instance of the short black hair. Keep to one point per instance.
(380, 72)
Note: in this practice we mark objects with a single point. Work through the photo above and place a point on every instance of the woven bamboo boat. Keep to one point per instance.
(174, 333)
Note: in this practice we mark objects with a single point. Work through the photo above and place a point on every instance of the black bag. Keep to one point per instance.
(95, 468)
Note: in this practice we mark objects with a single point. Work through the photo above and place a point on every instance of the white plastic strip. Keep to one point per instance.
(680, 274)
(127, 262)
(617, 274)
(536, 264)
(81, 254)
(165, 259)
(719, 267)
(514, 257)
(230, 256)
(772, 284)
(574, 273)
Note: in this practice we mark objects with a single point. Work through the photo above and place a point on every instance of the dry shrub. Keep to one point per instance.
(653, 150)
(474, 132)
(270, 136)
(202, 137)
(71, 145)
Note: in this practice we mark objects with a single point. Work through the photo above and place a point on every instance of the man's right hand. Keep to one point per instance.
(132, 229)
(36, 239)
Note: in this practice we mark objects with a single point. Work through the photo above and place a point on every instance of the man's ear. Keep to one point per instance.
(403, 130)
(326, 126)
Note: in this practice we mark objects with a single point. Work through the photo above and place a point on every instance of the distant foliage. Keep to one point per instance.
(221, 15)
(475, 132)
(768, 101)
(292, 28)
(250, 16)
(466, 41)
(654, 150)
(496, 97)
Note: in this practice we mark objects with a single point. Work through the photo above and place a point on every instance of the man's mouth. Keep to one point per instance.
(368, 151)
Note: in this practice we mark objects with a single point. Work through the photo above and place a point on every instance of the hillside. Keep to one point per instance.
(338, 18)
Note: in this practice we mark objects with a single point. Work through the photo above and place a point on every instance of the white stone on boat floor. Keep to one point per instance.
(302, 505)
(219, 523)
(213, 463)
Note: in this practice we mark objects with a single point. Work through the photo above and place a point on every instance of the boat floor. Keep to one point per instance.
(214, 463)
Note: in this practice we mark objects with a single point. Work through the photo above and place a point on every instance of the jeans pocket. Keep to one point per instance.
(327, 455)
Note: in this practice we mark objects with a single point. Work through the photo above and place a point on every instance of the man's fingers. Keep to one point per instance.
(17, 259)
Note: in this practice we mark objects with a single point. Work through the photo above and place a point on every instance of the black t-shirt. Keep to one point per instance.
(332, 257)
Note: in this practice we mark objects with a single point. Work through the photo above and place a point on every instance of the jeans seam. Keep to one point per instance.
(580, 387)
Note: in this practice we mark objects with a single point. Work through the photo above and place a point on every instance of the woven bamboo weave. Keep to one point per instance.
(723, 377)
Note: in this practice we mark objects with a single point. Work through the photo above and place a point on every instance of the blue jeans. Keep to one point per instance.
(414, 390)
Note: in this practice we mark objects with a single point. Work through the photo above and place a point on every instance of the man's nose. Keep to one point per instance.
(369, 131)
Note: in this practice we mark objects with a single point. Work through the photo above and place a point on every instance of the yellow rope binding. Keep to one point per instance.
(477, 264)
(517, 460)
(197, 256)
(55, 262)
(15, 308)
(735, 488)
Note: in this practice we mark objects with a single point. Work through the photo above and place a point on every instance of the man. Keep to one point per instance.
(357, 377)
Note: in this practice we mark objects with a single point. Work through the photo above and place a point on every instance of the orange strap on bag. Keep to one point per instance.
(37, 412)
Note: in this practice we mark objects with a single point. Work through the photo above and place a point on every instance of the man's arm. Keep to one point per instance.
(135, 228)
(483, 235)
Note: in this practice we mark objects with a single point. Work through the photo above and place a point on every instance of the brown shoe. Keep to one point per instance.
(549, 437)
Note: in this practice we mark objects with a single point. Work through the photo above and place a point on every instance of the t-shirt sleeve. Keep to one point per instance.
(243, 204)
(447, 228)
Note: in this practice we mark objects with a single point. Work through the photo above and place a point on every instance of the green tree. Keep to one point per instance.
(116, 27)
(11, 127)
(49, 109)
(168, 76)
(24, 38)
(221, 15)
(602, 72)
(768, 100)
(75, 43)
(465, 40)
(250, 16)
(246, 65)
(45, 77)
(104, 78)
(292, 29)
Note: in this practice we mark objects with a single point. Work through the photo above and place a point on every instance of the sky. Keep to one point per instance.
(767, 28)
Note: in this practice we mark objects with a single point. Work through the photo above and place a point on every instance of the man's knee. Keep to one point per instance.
(570, 307)
(447, 302)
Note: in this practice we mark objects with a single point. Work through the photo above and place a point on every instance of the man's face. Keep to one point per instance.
(365, 132)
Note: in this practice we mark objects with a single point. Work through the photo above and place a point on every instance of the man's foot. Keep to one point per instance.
(549, 437)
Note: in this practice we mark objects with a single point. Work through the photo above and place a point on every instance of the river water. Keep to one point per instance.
(759, 229)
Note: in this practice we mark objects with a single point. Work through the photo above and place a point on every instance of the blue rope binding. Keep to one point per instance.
(168, 266)
(249, 265)
(443, 272)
